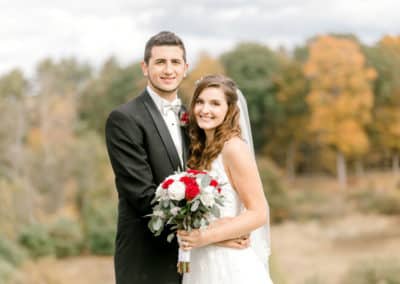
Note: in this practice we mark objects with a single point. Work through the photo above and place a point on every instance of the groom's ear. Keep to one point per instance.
(144, 68)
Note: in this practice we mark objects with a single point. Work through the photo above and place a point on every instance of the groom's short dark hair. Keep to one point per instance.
(163, 38)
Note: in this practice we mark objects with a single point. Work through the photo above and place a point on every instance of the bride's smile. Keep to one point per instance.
(210, 108)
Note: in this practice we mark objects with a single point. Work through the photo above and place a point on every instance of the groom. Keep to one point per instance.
(145, 144)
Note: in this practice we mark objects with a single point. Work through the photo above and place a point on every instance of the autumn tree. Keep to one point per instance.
(54, 124)
(205, 65)
(340, 97)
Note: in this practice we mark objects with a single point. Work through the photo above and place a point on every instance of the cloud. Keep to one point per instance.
(94, 30)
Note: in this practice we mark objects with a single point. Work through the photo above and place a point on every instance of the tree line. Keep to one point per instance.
(327, 106)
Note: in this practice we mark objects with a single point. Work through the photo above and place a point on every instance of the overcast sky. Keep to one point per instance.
(93, 30)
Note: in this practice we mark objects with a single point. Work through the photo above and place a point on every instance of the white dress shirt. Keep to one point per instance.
(171, 120)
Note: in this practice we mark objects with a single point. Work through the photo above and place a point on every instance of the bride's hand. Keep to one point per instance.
(239, 243)
(193, 239)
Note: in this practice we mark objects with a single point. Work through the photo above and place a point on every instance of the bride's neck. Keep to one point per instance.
(209, 137)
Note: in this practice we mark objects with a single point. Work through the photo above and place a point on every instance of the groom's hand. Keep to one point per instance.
(239, 243)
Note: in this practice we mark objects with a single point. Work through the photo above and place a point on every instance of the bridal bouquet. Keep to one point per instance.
(186, 200)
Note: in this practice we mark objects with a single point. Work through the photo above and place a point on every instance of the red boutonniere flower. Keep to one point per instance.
(184, 118)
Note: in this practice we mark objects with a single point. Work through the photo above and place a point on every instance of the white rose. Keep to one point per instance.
(207, 196)
(176, 191)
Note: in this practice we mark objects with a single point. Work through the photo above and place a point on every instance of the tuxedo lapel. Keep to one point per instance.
(163, 131)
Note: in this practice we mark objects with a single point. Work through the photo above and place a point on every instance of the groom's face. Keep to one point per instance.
(165, 70)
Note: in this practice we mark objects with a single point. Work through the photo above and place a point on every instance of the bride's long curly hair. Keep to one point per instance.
(200, 154)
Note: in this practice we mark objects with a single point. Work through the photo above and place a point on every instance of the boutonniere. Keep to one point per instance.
(183, 118)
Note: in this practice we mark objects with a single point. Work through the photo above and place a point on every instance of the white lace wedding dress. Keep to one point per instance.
(220, 265)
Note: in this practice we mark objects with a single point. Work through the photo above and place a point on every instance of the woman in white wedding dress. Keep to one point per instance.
(217, 145)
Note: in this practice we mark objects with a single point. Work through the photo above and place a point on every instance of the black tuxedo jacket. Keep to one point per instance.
(142, 154)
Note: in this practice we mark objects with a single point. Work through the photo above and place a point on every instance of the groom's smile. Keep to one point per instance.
(165, 70)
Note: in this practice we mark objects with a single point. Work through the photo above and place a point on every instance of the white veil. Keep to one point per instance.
(260, 238)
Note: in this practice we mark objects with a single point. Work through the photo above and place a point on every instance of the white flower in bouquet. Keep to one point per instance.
(207, 196)
(176, 191)
(160, 192)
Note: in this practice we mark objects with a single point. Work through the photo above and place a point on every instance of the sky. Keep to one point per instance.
(94, 30)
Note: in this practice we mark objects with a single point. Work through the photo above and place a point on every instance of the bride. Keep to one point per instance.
(221, 142)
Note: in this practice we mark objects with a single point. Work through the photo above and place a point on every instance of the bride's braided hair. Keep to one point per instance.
(202, 155)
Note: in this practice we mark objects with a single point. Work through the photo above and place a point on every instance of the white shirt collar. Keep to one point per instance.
(158, 100)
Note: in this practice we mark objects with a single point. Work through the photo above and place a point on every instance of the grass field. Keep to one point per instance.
(327, 236)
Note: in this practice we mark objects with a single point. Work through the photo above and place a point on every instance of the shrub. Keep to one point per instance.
(36, 239)
(374, 271)
(67, 237)
(100, 229)
(6, 271)
(374, 201)
(276, 193)
(316, 205)
(11, 252)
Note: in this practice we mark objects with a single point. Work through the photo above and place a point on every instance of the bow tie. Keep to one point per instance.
(175, 107)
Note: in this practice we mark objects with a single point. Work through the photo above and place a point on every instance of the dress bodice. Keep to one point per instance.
(232, 204)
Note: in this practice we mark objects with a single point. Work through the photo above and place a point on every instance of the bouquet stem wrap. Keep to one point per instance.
(183, 261)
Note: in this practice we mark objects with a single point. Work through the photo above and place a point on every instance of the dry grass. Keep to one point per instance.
(314, 250)
(321, 250)
(76, 270)
(326, 250)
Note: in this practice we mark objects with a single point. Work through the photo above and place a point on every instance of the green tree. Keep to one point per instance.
(385, 58)
(113, 86)
(254, 66)
(291, 91)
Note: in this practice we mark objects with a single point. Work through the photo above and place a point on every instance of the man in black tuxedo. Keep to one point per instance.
(145, 144)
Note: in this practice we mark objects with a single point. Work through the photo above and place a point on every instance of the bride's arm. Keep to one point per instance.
(238, 243)
(242, 170)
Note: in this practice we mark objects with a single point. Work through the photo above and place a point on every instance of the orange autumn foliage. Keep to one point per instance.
(340, 97)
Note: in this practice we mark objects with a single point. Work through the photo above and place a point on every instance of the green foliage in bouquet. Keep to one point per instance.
(185, 201)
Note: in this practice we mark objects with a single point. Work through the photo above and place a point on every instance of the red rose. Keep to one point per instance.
(184, 118)
(188, 180)
(219, 190)
(214, 183)
(167, 183)
(192, 191)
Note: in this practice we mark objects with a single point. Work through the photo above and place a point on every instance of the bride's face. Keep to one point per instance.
(210, 108)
